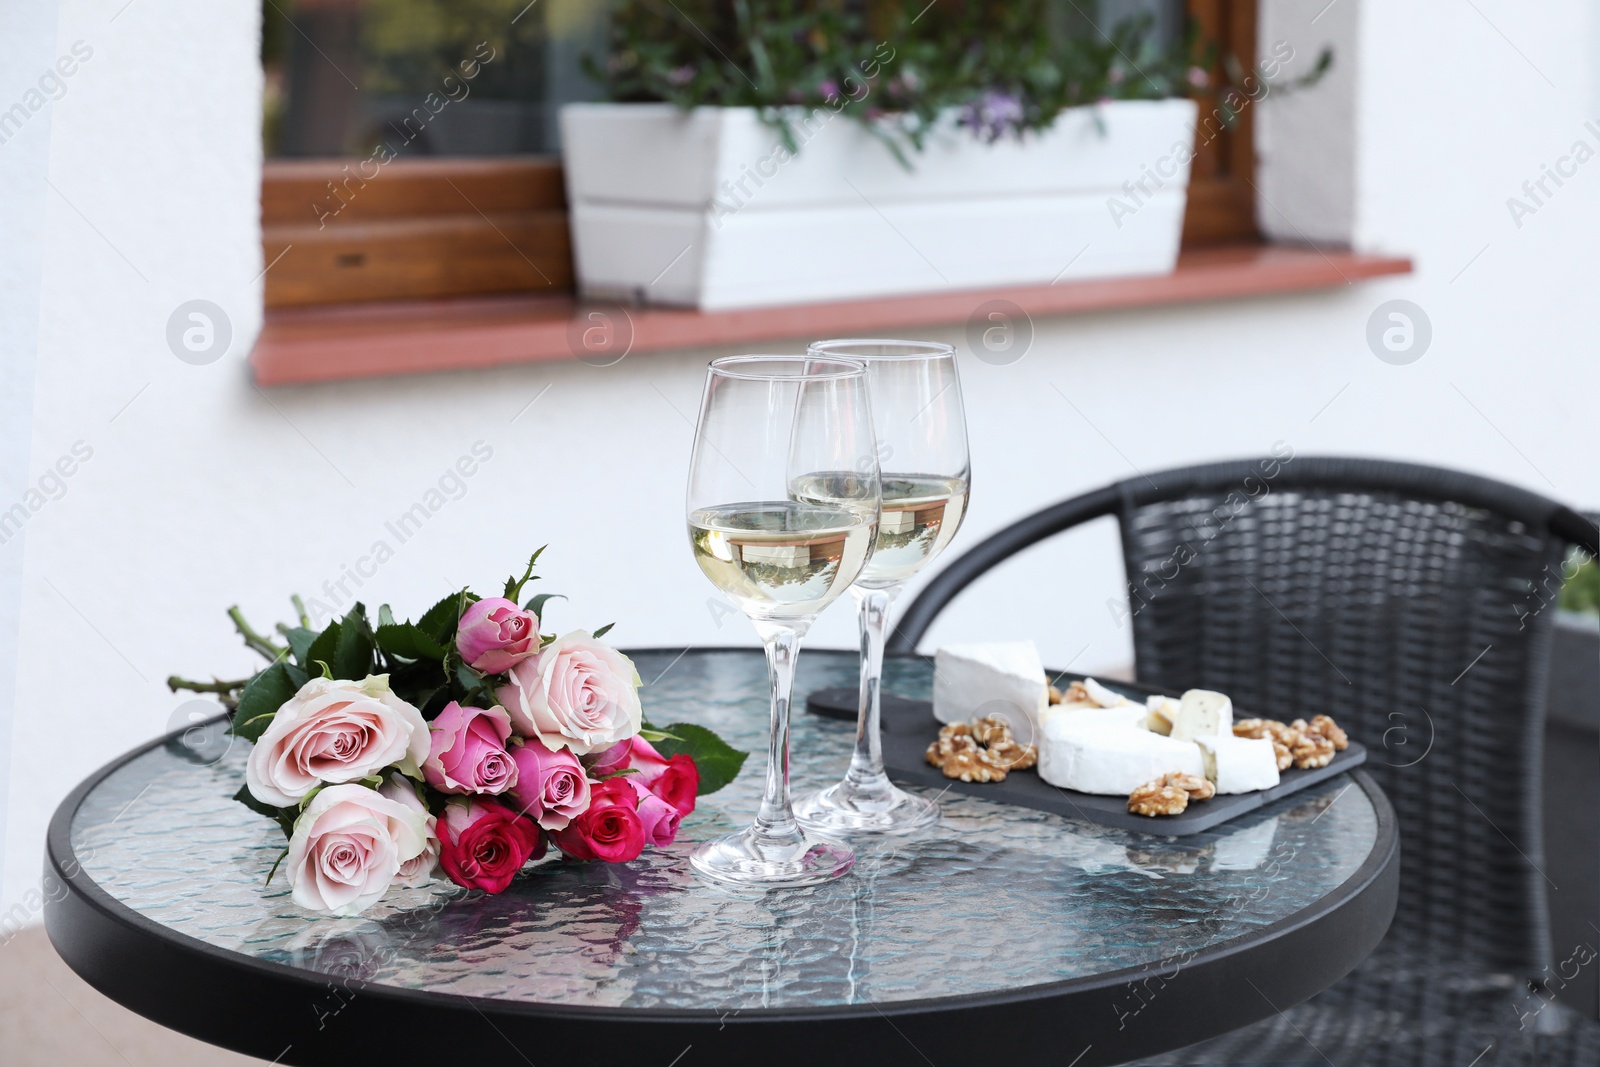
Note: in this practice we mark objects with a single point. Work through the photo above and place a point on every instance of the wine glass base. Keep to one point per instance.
(879, 808)
(752, 860)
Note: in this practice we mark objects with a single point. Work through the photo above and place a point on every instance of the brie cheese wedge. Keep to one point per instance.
(1108, 751)
(1202, 713)
(968, 679)
(1163, 714)
(1239, 764)
(1103, 696)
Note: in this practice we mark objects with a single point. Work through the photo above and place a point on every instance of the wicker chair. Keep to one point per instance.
(1416, 606)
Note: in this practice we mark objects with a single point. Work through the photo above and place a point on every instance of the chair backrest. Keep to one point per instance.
(1412, 604)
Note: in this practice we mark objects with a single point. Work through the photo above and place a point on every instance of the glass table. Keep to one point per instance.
(1002, 932)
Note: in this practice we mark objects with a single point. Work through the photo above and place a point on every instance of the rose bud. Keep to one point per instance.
(348, 847)
(577, 693)
(494, 634)
(467, 751)
(551, 784)
(610, 830)
(675, 780)
(659, 819)
(483, 844)
(332, 732)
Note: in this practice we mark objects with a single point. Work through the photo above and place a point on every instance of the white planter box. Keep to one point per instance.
(705, 209)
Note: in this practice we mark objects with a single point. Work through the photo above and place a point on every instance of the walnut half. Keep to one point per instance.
(1158, 798)
(982, 751)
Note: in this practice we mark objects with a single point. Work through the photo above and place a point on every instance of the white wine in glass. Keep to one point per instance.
(922, 445)
(768, 424)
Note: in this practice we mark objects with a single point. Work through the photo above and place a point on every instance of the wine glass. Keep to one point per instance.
(770, 424)
(922, 447)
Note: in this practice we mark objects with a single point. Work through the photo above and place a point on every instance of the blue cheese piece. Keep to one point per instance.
(1202, 713)
(979, 679)
(1108, 751)
(1239, 764)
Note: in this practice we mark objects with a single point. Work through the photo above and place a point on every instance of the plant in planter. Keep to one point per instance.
(980, 145)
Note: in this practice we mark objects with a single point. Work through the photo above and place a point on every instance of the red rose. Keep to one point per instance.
(610, 830)
(483, 844)
(675, 780)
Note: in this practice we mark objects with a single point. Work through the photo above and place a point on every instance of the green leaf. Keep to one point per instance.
(385, 615)
(718, 762)
(261, 699)
(536, 605)
(439, 622)
(409, 641)
(602, 631)
(284, 817)
(300, 639)
(514, 584)
(468, 679)
(353, 660)
(325, 647)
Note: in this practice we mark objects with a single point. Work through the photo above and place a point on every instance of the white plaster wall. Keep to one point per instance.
(205, 492)
(27, 56)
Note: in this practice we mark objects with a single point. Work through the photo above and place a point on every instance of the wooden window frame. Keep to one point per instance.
(350, 231)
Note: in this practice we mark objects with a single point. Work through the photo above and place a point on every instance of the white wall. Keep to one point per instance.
(204, 492)
(27, 55)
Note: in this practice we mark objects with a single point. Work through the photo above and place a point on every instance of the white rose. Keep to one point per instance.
(420, 869)
(335, 731)
(348, 847)
(577, 693)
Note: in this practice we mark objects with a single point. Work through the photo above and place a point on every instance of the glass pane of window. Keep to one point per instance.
(423, 77)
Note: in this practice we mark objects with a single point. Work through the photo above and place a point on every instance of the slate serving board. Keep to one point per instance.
(909, 727)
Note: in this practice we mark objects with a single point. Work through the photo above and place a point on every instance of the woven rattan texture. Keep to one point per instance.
(1406, 620)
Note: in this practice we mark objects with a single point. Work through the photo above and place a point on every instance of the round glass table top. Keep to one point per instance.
(994, 899)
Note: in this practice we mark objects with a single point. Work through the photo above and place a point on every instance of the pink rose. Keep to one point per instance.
(604, 762)
(551, 784)
(658, 818)
(610, 830)
(348, 847)
(467, 753)
(484, 844)
(331, 732)
(577, 693)
(494, 634)
(418, 870)
(675, 780)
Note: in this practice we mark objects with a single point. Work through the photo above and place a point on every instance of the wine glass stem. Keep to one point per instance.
(866, 762)
(775, 820)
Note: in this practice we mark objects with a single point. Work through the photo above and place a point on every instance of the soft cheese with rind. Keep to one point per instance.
(1108, 751)
(1203, 713)
(1239, 764)
(969, 679)
(1163, 713)
(1103, 696)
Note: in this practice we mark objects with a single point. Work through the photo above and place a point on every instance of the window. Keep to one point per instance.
(413, 150)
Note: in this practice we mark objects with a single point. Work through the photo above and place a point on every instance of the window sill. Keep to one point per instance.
(305, 345)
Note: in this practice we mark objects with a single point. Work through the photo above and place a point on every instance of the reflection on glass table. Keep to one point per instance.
(995, 900)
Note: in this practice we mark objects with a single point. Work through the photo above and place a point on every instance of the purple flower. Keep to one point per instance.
(1199, 78)
(994, 115)
(828, 89)
(681, 76)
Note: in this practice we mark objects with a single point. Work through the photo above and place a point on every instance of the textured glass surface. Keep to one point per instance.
(996, 898)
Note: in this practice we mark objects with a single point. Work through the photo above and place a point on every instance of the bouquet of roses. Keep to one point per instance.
(466, 742)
